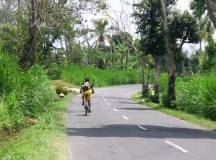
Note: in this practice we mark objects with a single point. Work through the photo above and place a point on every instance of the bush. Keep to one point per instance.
(60, 90)
(54, 71)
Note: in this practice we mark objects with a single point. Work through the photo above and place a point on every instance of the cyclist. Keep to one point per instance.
(86, 90)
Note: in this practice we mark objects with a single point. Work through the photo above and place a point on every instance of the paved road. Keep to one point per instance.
(120, 129)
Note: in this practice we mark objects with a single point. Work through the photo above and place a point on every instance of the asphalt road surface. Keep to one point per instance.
(120, 129)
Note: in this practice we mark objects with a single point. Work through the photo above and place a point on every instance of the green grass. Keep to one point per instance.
(194, 119)
(44, 141)
(75, 75)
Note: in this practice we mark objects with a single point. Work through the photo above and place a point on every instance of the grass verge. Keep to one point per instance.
(44, 141)
(194, 119)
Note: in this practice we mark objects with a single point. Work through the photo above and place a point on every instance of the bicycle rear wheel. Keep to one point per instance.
(86, 106)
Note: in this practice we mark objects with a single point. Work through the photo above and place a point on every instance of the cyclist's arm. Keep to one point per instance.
(81, 88)
(92, 89)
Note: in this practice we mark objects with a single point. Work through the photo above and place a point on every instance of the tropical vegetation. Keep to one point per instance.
(46, 40)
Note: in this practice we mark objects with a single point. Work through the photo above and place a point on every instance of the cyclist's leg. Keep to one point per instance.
(85, 105)
(89, 101)
(86, 101)
(83, 98)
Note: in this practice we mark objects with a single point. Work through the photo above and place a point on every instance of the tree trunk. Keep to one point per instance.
(157, 79)
(200, 43)
(67, 41)
(183, 67)
(28, 56)
(172, 76)
(171, 56)
(144, 84)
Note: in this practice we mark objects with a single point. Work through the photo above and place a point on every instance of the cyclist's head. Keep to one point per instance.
(87, 84)
(87, 79)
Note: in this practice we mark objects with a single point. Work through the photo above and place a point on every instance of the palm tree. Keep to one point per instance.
(100, 31)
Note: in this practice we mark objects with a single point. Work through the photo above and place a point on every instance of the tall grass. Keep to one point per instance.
(22, 94)
(75, 74)
(195, 94)
(198, 95)
(8, 74)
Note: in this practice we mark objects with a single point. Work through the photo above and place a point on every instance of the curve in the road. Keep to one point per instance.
(120, 129)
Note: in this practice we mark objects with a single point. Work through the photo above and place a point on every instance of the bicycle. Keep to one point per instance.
(86, 105)
(87, 100)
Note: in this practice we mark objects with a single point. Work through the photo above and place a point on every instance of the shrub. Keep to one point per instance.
(54, 71)
(60, 90)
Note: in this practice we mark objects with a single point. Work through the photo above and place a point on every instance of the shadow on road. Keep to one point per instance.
(125, 131)
(117, 98)
(128, 102)
(81, 115)
(136, 109)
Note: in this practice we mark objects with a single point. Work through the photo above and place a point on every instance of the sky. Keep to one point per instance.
(184, 4)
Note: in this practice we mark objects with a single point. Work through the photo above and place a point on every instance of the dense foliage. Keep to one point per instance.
(23, 94)
(43, 40)
(74, 74)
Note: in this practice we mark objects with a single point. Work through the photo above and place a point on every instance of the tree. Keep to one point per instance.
(183, 28)
(150, 27)
(28, 57)
(163, 33)
(171, 95)
(40, 23)
(205, 26)
(6, 11)
(200, 6)
(122, 47)
(179, 29)
(209, 58)
(146, 66)
(211, 7)
(9, 39)
(100, 31)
